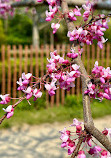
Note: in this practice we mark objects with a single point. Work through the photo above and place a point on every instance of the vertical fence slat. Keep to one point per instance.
(60, 94)
(68, 50)
(102, 55)
(36, 64)
(47, 95)
(15, 73)
(93, 56)
(20, 63)
(58, 90)
(107, 54)
(26, 59)
(3, 69)
(52, 98)
(9, 71)
(42, 62)
(98, 53)
(83, 54)
(31, 62)
(88, 59)
(62, 90)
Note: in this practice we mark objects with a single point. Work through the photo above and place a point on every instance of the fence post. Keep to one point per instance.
(58, 90)
(15, 74)
(3, 69)
(62, 90)
(52, 98)
(20, 63)
(9, 71)
(47, 80)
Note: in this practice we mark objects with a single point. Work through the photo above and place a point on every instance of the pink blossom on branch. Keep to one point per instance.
(5, 99)
(9, 110)
(55, 27)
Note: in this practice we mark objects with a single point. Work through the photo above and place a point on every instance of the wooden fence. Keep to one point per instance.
(15, 60)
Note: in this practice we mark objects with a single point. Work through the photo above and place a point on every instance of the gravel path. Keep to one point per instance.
(40, 141)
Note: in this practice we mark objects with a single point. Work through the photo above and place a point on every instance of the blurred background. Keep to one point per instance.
(26, 40)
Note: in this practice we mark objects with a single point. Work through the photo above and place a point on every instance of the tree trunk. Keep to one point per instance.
(35, 31)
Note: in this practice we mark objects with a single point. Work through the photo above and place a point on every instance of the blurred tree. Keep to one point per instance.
(2, 34)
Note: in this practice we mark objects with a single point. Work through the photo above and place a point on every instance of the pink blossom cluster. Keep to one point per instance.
(28, 90)
(66, 137)
(70, 139)
(5, 8)
(55, 27)
(93, 31)
(9, 110)
(88, 7)
(62, 77)
(103, 88)
(61, 72)
(73, 13)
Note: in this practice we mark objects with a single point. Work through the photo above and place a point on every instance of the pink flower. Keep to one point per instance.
(104, 154)
(51, 2)
(64, 135)
(81, 154)
(76, 122)
(71, 16)
(5, 99)
(51, 88)
(21, 85)
(9, 110)
(37, 94)
(109, 131)
(77, 11)
(40, 0)
(55, 27)
(29, 92)
(49, 15)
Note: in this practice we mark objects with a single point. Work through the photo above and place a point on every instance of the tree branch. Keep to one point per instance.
(89, 125)
(34, 3)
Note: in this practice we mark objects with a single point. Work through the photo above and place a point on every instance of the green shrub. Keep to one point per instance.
(73, 101)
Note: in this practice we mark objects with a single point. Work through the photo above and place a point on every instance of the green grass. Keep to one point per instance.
(72, 108)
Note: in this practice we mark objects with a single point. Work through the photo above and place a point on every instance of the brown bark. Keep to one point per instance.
(33, 3)
(89, 125)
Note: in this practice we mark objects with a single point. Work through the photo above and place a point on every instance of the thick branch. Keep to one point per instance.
(34, 3)
(84, 77)
(81, 138)
(89, 125)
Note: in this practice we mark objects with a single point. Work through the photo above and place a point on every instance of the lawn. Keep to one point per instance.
(72, 108)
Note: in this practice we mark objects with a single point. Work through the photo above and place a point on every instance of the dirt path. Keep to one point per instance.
(38, 141)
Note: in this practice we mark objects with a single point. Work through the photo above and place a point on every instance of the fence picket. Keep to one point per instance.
(36, 62)
(102, 55)
(20, 63)
(58, 90)
(28, 54)
(26, 59)
(3, 69)
(52, 98)
(62, 90)
(107, 54)
(93, 56)
(68, 50)
(9, 71)
(14, 73)
(31, 62)
(47, 95)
